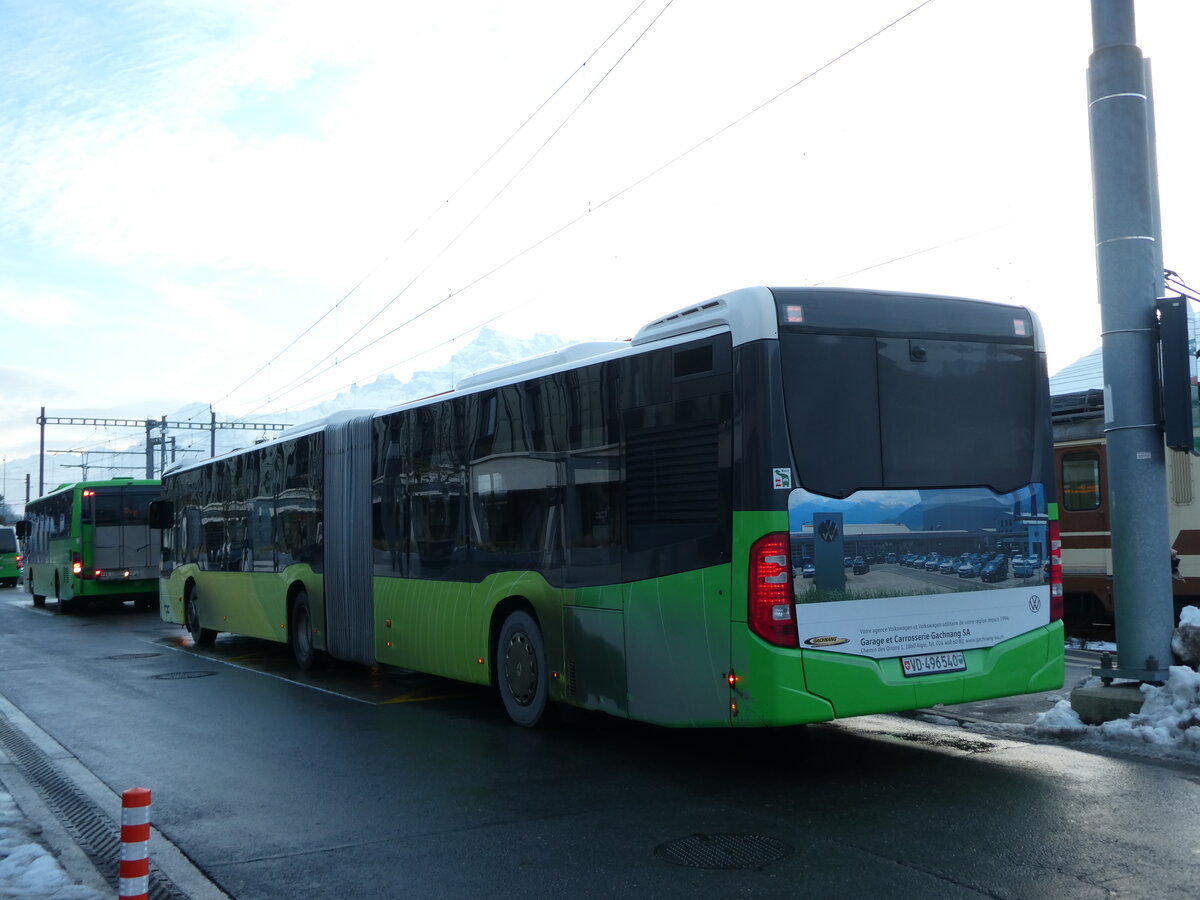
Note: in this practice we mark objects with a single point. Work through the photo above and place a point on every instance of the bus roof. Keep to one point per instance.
(749, 313)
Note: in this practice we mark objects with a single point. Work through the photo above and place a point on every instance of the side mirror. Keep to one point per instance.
(162, 514)
(24, 527)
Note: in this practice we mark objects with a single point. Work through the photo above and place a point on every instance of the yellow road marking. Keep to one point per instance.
(413, 698)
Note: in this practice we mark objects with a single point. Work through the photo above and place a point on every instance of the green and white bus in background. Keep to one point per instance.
(712, 524)
(10, 556)
(92, 540)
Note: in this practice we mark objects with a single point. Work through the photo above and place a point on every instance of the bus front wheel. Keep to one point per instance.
(201, 636)
(521, 669)
(300, 633)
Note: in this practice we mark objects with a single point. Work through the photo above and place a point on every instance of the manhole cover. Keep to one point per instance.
(171, 676)
(723, 851)
(132, 656)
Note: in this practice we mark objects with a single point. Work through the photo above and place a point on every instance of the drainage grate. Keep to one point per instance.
(723, 851)
(98, 835)
(175, 676)
(132, 656)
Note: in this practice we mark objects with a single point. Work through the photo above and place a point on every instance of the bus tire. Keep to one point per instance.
(201, 636)
(521, 669)
(39, 600)
(300, 633)
(64, 606)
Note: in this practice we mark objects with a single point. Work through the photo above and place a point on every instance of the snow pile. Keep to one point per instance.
(1185, 640)
(27, 869)
(1170, 715)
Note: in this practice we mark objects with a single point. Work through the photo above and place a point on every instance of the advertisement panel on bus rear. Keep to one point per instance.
(919, 573)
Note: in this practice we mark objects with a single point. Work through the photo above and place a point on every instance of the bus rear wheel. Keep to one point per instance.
(300, 632)
(521, 669)
(201, 636)
(64, 605)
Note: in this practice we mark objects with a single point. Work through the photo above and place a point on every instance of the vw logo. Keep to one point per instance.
(828, 530)
(1035, 603)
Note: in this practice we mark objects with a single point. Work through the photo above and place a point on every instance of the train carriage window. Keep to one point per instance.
(1081, 480)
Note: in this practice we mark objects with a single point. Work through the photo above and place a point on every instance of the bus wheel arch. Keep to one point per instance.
(300, 628)
(201, 636)
(519, 662)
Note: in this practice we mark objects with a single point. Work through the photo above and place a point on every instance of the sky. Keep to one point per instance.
(257, 204)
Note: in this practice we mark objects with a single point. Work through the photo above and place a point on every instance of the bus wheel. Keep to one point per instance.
(64, 606)
(201, 637)
(39, 600)
(521, 669)
(300, 633)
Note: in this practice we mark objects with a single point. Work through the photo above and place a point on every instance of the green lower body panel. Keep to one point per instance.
(857, 685)
(248, 603)
(778, 686)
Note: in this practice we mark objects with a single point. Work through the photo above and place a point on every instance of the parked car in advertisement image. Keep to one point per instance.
(1024, 568)
(994, 571)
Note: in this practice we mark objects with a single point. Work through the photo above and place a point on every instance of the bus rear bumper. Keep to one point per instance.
(857, 685)
(796, 686)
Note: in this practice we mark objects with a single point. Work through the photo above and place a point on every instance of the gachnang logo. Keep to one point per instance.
(826, 640)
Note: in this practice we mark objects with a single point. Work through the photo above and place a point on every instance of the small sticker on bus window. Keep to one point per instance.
(782, 479)
(795, 314)
(1019, 327)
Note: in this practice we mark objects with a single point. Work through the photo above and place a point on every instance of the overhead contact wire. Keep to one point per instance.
(442, 205)
(615, 196)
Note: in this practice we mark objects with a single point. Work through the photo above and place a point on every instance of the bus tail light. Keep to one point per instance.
(77, 568)
(771, 604)
(1056, 580)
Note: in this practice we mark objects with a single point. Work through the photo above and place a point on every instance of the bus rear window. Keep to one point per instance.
(123, 506)
(870, 412)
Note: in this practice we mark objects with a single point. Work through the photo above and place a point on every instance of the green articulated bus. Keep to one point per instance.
(92, 541)
(714, 524)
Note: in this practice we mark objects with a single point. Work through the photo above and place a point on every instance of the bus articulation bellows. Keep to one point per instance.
(714, 524)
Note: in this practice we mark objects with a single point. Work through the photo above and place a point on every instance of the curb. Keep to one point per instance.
(56, 834)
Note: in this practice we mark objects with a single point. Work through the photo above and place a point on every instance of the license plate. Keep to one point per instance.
(933, 664)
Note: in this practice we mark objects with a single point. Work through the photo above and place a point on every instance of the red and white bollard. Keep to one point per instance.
(135, 845)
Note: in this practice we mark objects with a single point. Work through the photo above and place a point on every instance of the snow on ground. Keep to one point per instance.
(1167, 727)
(28, 871)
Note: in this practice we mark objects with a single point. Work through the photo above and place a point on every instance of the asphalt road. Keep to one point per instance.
(353, 782)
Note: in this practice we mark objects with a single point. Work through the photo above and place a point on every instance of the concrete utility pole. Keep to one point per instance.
(1129, 269)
